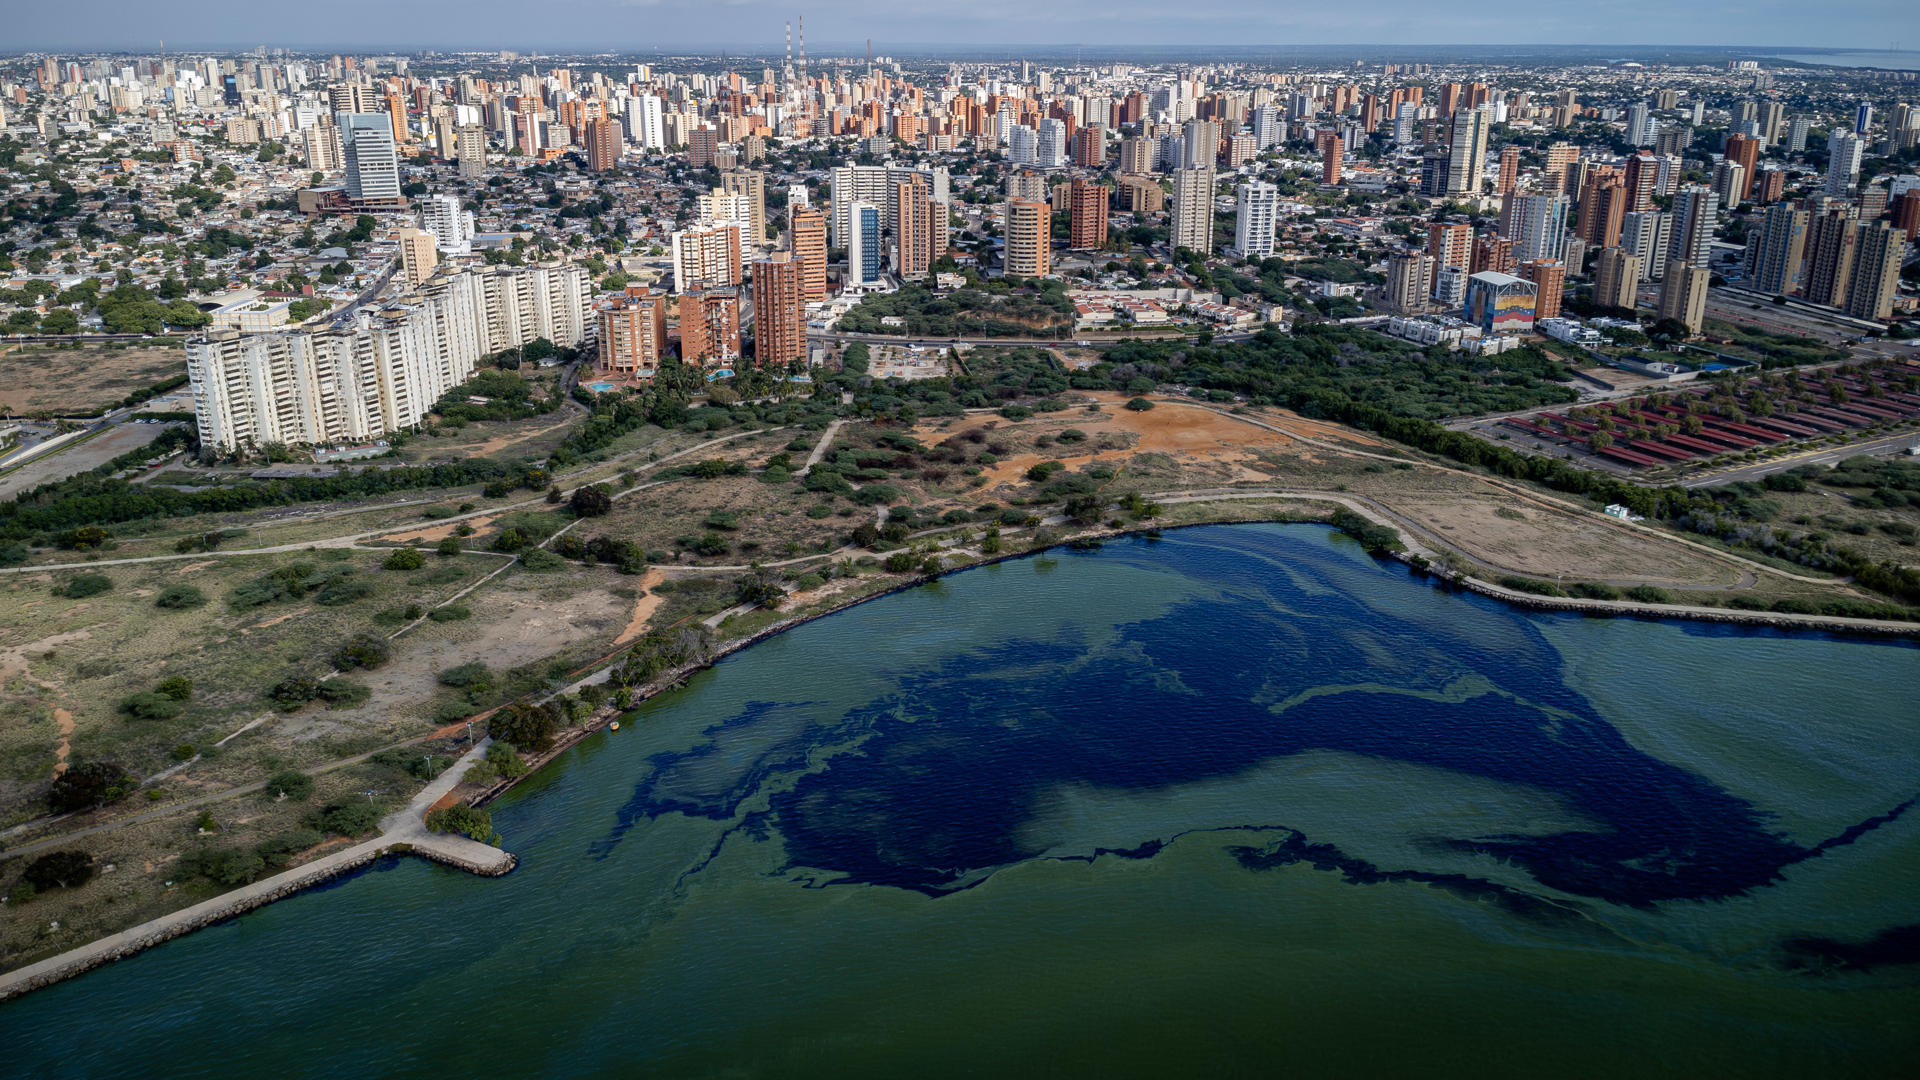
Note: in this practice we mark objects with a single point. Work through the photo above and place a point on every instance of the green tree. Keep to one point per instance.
(59, 870)
(87, 785)
(289, 784)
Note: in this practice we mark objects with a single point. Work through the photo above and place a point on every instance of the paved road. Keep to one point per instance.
(1890, 446)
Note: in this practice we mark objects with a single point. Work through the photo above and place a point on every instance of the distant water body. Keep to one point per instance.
(1904, 60)
(1242, 801)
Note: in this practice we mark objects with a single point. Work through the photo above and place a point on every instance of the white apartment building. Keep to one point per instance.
(378, 371)
(1255, 214)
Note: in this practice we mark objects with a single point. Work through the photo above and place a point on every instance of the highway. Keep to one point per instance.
(1889, 446)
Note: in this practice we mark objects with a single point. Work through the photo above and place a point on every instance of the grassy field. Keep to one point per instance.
(80, 380)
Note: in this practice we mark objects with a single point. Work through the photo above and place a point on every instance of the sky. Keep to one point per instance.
(753, 26)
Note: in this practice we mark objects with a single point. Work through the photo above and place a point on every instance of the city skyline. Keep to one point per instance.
(646, 25)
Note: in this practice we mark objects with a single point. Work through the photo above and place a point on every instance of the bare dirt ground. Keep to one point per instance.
(78, 382)
(437, 533)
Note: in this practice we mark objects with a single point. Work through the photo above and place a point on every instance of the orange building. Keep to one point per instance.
(807, 240)
(710, 326)
(1549, 279)
(1029, 251)
(633, 333)
(1088, 227)
(779, 312)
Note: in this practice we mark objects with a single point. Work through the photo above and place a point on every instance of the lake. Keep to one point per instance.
(1237, 801)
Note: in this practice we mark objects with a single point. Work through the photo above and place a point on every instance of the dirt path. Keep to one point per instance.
(65, 721)
(644, 607)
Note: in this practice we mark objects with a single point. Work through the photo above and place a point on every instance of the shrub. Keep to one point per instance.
(290, 693)
(900, 562)
(362, 651)
(223, 866)
(59, 870)
(1647, 594)
(590, 501)
(151, 706)
(450, 613)
(343, 590)
(465, 820)
(179, 597)
(470, 676)
(84, 585)
(341, 693)
(448, 547)
(87, 785)
(289, 784)
(505, 760)
(277, 851)
(525, 725)
(177, 687)
(349, 818)
(1139, 404)
(405, 559)
(540, 559)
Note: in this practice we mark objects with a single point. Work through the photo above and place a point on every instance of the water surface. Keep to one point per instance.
(1239, 801)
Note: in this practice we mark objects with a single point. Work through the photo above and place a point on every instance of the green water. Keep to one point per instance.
(1239, 802)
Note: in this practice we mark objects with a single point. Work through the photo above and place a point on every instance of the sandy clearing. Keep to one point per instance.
(439, 532)
(643, 607)
(13, 659)
(275, 621)
(192, 566)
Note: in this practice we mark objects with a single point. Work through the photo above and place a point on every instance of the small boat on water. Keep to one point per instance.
(615, 726)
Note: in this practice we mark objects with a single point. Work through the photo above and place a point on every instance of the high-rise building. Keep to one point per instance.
(645, 124)
(373, 165)
(1843, 163)
(1876, 273)
(751, 185)
(1450, 244)
(1467, 154)
(1087, 227)
(633, 333)
(710, 326)
(1616, 279)
(1256, 213)
(382, 368)
(1797, 131)
(1491, 251)
(470, 144)
(1050, 144)
(1777, 251)
(1029, 250)
(1603, 208)
(1647, 235)
(1553, 175)
(450, 224)
(864, 244)
(1643, 181)
(920, 233)
(1640, 124)
(1509, 170)
(1549, 277)
(807, 240)
(706, 256)
(1192, 214)
(859, 183)
(1090, 148)
(1832, 240)
(1539, 226)
(703, 143)
(604, 144)
(1332, 151)
(1683, 294)
(1729, 179)
(1409, 280)
(1139, 156)
(1695, 213)
(417, 254)
(1745, 150)
(1199, 144)
(779, 313)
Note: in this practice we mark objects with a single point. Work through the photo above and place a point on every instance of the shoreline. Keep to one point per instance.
(238, 902)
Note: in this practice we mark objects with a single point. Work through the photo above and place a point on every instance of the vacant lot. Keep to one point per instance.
(80, 380)
(83, 453)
